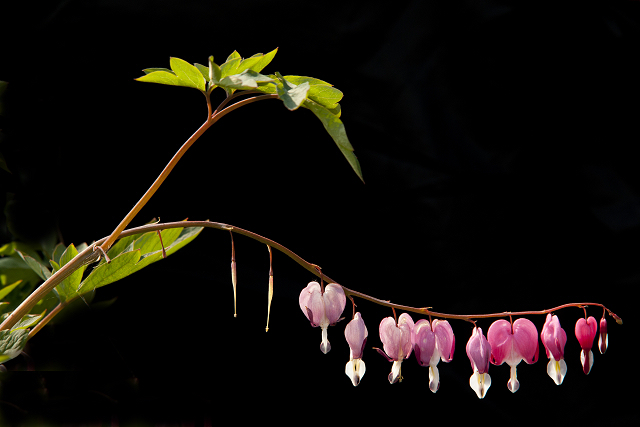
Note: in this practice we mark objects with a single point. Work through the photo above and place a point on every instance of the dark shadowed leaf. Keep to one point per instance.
(12, 343)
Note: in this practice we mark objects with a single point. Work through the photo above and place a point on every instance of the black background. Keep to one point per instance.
(497, 142)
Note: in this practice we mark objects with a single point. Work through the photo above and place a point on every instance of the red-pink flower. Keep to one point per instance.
(323, 308)
(432, 343)
(586, 333)
(512, 343)
(356, 334)
(479, 352)
(396, 340)
(554, 339)
(603, 340)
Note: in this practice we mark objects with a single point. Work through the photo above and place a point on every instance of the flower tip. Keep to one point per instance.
(587, 361)
(480, 383)
(617, 319)
(355, 370)
(557, 369)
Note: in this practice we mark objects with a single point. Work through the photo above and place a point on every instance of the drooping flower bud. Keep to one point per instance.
(554, 339)
(603, 340)
(479, 353)
(356, 334)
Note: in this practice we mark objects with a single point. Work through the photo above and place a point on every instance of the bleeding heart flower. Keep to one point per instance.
(396, 340)
(603, 340)
(323, 308)
(511, 344)
(479, 352)
(586, 333)
(356, 334)
(554, 339)
(432, 343)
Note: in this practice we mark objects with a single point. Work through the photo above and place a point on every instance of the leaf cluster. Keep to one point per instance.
(21, 268)
(237, 73)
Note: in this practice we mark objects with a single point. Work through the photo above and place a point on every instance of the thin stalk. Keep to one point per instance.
(172, 163)
(312, 268)
(57, 309)
(92, 253)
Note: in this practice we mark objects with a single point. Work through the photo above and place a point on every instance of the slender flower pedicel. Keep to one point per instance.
(356, 334)
(432, 343)
(586, 332)
(323, 308)
(554, 339)
(479, 352)
(396, 340)
(512, 343)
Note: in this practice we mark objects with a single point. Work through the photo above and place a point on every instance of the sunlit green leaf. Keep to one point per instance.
(234, 55)
(337, 111)
(296, 80)
(12, 343)
(248, 79)
(264, 61)
(203, 70)
(230, 67)
(161, 77)
(292, 95)
(188, 74)
(326, 96)
(151, 70)
(334, 126)
(215, 74)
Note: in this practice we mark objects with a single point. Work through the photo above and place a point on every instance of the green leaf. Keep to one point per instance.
(151, 70)
(264, 60)
(118, 268)
(57, 253)
(326, 96)
(203, 70)
(28, 321)
(320, 91)
(188, 74)
(292, 95)
(336, 111)
(334, 126)
(301, 79)
(215, 74)
(6, 289)
(161, 77)
(41, 270)
(230, 67)
(144, 250)
(12, 343)
(248, 79)
(67, 288)
(234, 55)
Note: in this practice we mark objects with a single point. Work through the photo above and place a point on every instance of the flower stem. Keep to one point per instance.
(93, 252)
